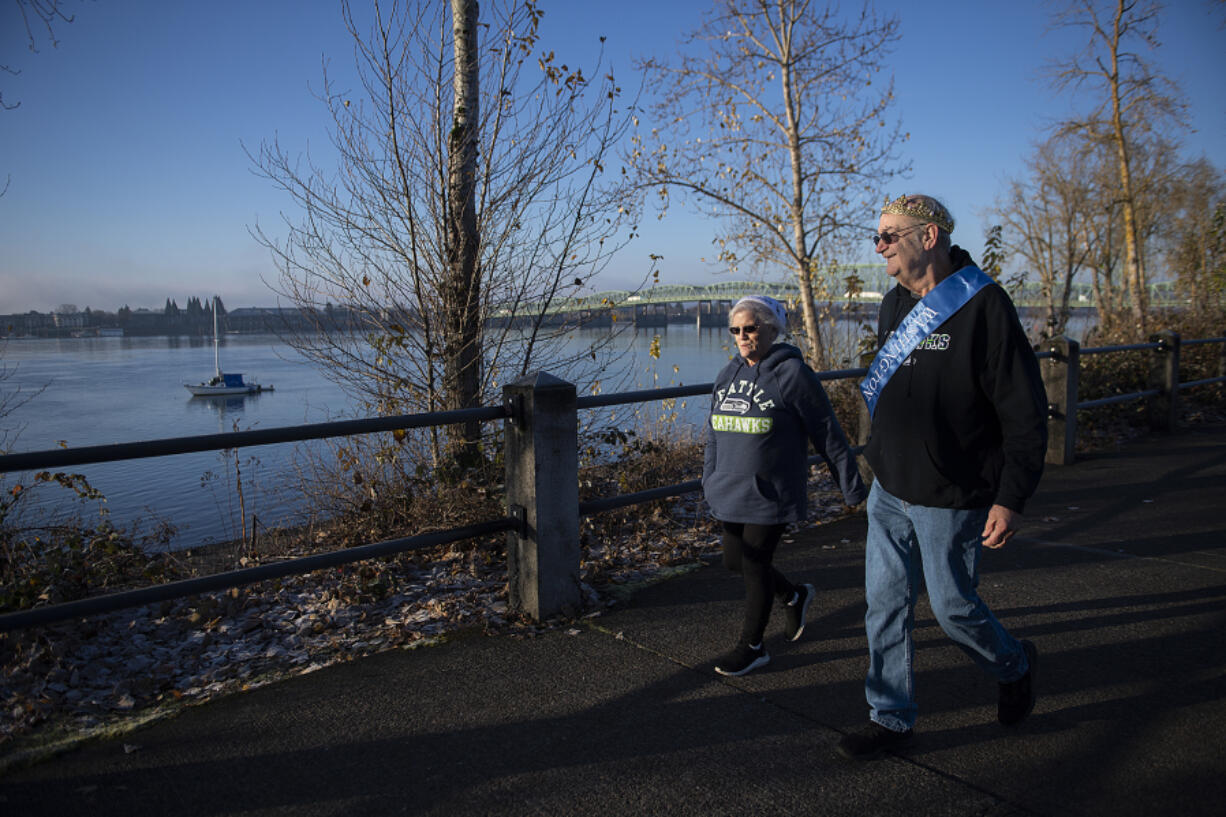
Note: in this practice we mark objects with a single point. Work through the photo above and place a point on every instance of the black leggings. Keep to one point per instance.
(748, 550)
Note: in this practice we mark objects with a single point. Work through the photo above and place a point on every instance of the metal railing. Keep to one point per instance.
(1061, 365)
(60, 458)
(540, 422)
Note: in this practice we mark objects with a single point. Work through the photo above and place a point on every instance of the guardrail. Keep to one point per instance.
(1061, 365)
(540, 427)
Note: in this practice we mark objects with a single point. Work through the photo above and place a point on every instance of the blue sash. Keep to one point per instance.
(934, 309)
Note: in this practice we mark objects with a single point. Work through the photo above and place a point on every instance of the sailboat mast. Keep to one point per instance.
(216, 352)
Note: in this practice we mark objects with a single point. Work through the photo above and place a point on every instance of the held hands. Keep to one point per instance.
(1001, 525)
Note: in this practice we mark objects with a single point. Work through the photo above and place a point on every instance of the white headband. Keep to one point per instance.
(773, 306)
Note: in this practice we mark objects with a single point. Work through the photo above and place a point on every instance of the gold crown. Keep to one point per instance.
(920, 209)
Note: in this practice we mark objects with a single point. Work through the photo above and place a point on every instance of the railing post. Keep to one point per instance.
(1061, 375)
(542, 490)
(1164, 376)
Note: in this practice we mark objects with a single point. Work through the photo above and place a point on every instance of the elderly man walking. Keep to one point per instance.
(956, 445)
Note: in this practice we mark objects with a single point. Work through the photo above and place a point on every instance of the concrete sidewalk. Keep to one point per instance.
(1120, 579)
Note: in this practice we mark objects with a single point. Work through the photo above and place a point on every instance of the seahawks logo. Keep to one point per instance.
(738, 405)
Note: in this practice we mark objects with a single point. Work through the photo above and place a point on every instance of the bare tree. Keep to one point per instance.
(470, 200)
(1063, 221)
(1133, 101)
(1045, 220)
(461, 292)
(1105, 252)
(779, 130)
(39, 17)
(12, 397)
(1197, 253)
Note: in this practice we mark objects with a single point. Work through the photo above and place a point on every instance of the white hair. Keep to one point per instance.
(765, 310)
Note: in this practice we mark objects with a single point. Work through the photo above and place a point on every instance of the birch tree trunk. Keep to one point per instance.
(800, 244)
(462, 291)
(1134, 263)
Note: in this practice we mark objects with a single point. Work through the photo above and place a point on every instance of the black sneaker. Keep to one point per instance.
(871, 741)
(1017, 697)
(795, 611)
(742, 660)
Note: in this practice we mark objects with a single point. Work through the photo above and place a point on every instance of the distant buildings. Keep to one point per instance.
(31, 323)
(194, 322)
(96, 323)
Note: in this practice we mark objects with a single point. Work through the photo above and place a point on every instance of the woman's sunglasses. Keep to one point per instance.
(751, 329)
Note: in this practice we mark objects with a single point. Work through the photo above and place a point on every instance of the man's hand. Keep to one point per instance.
(1001, 525)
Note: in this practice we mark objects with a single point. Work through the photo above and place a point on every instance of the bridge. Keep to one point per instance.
(871, 283)
(653, 304)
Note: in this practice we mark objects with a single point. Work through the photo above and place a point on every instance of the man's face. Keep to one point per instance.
(901, 244)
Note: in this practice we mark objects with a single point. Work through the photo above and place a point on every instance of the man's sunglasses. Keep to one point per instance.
(751, 329)
(890, 238)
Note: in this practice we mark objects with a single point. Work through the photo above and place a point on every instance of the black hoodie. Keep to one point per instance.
(963, 421)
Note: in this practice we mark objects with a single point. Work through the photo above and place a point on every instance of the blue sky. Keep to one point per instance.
(128, 182)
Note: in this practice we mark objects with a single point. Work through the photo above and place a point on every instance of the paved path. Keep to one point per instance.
(1120, 580)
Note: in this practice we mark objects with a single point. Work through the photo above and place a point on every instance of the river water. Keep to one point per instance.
(97, 391)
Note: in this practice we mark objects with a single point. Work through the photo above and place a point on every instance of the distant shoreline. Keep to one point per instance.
(252, 321)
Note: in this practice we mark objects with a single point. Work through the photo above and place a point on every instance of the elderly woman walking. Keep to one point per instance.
(766, 406)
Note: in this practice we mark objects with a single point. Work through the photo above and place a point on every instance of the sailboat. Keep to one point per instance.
(222, 384)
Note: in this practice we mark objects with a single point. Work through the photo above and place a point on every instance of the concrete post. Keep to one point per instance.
(1061, 375)
(1164, 376)
(542, 488)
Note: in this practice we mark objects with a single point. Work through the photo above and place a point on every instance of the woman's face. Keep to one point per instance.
(753, 339)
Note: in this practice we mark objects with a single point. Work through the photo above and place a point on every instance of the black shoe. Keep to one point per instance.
(742, 660)
(1017, 697)
(871, 741)
(795, 611)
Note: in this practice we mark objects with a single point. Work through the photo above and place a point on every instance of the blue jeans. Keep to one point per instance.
(944, 543)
